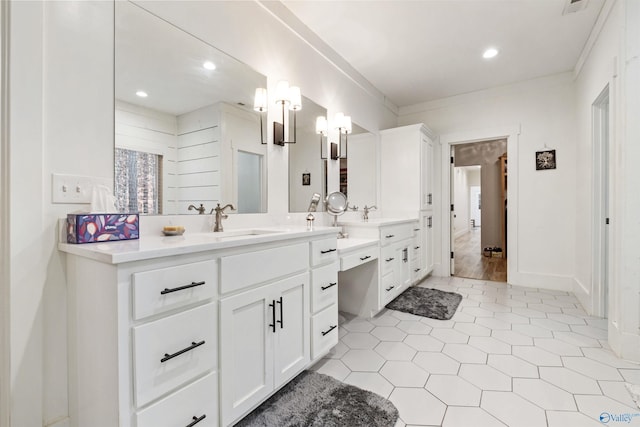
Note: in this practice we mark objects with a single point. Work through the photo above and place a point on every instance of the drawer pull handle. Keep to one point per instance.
(181, 288)
(281, 321)
(366, 257)
(329, 330)
(416, 247)
(330, 285)
(416, 229)
(389, 259)
(388, 236)
(196, 420)
(328, 250)
(390, 287)
(416, 270)
(273, 316)
(193, 345)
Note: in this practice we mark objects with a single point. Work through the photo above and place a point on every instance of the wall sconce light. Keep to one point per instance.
(291, 97)
(342, 124)
(260, 105)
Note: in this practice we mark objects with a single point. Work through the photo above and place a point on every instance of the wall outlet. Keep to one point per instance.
(75, 188)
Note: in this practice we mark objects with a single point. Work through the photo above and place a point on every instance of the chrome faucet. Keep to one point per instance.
(365, 215)
(220, 215)
(200, 209)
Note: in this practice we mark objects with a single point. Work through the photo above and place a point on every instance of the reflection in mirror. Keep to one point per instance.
(306, 170)
(186, 132)
(358, 170)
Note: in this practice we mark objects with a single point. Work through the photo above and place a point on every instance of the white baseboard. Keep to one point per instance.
(542, 281)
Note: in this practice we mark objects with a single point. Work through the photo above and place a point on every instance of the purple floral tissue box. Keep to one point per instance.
(89, 228)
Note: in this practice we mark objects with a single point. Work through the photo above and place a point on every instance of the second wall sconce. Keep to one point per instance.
(260, 105)
(342, 124)
(286, 96)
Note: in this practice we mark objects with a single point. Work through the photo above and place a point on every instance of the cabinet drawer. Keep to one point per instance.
(324, 285)
(324, 251)
(389, 289)
(244, 270)
(157, 291)
(388, 261)
(171, 351)
(357, 258)
(185, 406)
(395, 233)
(324, 331)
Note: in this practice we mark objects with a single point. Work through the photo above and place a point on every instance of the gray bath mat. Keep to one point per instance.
(313, 399)
(427, 302)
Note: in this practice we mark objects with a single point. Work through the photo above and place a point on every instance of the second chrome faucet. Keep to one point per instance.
(220, 215)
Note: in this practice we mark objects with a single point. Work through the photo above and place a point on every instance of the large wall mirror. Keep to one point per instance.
(308, 172)
(185, 130)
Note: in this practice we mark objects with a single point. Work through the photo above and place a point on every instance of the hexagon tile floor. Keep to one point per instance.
(510, 356)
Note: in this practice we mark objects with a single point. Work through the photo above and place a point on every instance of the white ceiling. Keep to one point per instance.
(421, 50)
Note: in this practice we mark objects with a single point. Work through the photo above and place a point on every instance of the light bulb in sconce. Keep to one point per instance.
(295, 98)
(260, 105)
(321, 126)
(282, 92)
(260, 100)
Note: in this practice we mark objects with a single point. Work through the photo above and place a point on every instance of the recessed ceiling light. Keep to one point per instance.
(142, 94)
(490, 53)
(209, 65)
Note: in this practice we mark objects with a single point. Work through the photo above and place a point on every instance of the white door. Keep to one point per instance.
(292, 319)
(247, 329)
(474, 205)
(452, 212)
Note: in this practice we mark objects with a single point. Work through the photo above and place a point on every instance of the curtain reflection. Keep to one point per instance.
(138, 181)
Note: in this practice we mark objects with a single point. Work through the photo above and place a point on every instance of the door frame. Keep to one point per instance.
(601, 202)
(447, 141)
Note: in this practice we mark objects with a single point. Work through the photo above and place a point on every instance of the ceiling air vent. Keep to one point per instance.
(572, 6)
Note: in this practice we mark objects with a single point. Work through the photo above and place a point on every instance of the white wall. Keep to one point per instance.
(544, 110)
(62, 121)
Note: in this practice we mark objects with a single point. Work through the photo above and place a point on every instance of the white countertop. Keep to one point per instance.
(377, 222)
(151, 246)
(350, 244)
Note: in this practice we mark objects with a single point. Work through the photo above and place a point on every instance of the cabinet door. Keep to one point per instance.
(403, 270)
(292, 345)
(246, 351)
(426, 172)
(427, 241)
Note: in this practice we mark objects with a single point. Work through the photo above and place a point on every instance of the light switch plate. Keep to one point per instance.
(74, 188)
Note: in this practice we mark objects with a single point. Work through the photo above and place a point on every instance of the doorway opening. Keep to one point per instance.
(601, 179)
(478, 211)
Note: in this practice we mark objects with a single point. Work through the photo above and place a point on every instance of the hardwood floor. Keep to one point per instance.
(470, 262)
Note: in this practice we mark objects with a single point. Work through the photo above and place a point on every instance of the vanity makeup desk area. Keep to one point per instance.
(201, 328)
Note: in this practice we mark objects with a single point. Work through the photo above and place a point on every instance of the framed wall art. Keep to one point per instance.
(545, 160)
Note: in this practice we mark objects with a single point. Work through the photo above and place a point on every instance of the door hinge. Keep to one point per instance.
(452, 255)
(606, 221)
(452, 160)
(451, 207)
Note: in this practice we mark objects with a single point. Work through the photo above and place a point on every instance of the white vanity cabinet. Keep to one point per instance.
(195, 331)
(366, 291)
(265, 328)
(407, 176)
